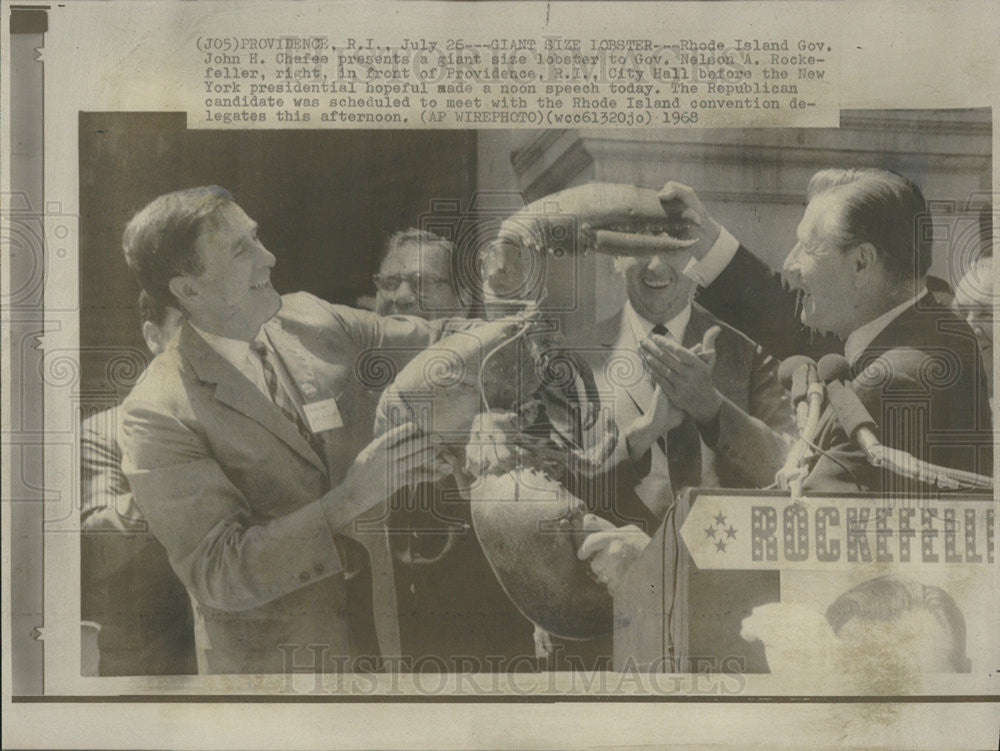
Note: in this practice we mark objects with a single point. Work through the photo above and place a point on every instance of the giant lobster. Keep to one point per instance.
(520, 406)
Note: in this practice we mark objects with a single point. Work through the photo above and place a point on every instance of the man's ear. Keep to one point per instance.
(153, 336)
(864, 257)
(182, 289)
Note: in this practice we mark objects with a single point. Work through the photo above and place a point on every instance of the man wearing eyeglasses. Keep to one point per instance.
(415, 277)
(451, 606)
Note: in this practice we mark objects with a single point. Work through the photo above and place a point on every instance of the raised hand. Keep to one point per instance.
(398, 458)
(676, 196)
(684, 375)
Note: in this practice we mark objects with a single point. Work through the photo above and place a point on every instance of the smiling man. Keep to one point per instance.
(859, 271)
(696, 403)
(245, 446)
(415, 277)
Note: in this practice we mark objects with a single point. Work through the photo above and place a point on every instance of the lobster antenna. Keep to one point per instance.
(482, 366)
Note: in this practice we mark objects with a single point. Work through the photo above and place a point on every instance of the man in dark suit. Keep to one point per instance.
(859, 273)
(245, 446)
(696, 405)
(127, 586)
(453, 613)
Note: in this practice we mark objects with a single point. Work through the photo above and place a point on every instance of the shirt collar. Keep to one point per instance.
(234, 351)
(641, 328)
(864, 335)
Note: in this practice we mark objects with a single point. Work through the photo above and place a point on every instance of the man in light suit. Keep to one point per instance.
(696, 403)
(245, 445)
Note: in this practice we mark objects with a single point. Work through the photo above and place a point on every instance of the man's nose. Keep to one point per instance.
(404, 292)
(659, 262)
(266, 257)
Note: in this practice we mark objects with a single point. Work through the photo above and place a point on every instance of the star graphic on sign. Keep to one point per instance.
(720, 546)
(720, 519)
(731, 532)
(710, 532)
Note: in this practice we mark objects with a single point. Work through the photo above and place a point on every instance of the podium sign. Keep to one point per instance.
(676, 617)
(756, 531)
(720, 553)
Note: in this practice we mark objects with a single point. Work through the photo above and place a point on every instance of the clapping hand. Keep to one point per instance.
(685, 375)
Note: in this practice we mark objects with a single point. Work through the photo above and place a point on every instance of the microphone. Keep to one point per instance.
(794, 375)
(835, 372)
(861, 428)
(798, 375)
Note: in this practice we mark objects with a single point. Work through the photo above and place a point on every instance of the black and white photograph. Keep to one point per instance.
(497, 396)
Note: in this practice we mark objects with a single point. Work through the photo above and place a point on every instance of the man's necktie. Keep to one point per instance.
(660, 330)
(655, 489)
(278, 395)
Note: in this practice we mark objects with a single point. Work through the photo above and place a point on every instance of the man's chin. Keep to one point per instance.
(275, 306)
(817, 328)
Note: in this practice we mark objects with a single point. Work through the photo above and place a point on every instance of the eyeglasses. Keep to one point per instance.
(420, 283)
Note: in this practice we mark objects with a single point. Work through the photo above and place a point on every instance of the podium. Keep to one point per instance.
(720, 553)
(674, 617)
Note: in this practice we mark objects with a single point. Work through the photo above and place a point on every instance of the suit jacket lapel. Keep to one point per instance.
(696, 328)
(902, 329)
(617, 336)
(234, 390)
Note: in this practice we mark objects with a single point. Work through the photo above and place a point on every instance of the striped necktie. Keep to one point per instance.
(656, 490)
(278, 395)
(661, 330)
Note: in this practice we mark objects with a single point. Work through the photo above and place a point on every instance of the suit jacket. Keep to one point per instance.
(239, 498)
(924, 367)
(750, 297)
(127, 585)
(744, 449)
(923, 382)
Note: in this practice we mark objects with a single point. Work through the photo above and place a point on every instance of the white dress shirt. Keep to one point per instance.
(641, 328)
(705, 271)
(655, 490)
(238, 354)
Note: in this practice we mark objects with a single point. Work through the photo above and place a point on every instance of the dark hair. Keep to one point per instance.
(151, 310)
(414, 236)
(887, 598)
(159, 241)
(882, 208)
(463, 272)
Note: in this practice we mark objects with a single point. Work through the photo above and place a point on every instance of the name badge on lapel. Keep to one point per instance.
(323, 415)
